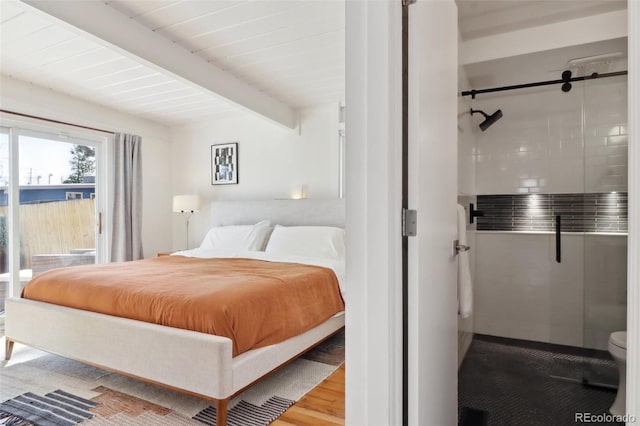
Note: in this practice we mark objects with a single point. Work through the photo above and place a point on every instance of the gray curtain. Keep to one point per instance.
(126, 241)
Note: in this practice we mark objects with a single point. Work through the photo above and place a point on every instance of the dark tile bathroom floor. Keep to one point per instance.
(516, 382)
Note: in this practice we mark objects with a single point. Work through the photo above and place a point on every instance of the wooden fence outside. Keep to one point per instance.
(55, 228)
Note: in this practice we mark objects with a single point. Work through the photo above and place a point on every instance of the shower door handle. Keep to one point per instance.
(558, 239)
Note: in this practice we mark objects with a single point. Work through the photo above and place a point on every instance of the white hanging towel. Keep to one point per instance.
(465, 286)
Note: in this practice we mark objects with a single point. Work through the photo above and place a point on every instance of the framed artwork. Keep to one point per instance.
(224, 164)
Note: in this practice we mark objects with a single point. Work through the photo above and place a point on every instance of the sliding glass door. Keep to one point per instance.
(606, 201)
(51, 204)
(552, 183)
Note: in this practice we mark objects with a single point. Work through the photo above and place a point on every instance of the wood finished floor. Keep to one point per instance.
(323, 406)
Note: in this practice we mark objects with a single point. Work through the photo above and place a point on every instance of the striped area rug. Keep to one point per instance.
(94, 397)
(111, 407)
(61, 408)
(57, 408)
(247, 414)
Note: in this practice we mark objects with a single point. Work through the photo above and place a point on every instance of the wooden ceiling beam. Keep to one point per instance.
(110, 27)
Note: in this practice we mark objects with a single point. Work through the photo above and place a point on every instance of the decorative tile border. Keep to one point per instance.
(591, 212)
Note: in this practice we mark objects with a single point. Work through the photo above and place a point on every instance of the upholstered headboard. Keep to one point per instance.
(280, 212)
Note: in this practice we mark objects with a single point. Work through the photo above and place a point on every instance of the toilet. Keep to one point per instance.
(618, 350)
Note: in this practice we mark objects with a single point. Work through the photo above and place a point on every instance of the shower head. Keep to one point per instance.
(488, 119)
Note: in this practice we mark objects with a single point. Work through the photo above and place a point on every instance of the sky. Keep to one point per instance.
(38, 158)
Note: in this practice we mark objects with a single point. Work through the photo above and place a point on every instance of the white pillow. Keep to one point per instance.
(312, 241)
(238, 237)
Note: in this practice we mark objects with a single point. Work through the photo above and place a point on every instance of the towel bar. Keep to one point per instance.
(457, 247)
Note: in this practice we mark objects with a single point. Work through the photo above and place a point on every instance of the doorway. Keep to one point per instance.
(372, 82)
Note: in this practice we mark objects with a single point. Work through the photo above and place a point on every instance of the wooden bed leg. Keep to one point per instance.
(8, 349)
(221, 412)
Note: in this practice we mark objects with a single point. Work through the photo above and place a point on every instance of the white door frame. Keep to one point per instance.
(373, 204)
(633, 253)
(374, 243)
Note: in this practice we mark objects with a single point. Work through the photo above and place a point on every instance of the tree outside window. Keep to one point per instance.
(83, 163)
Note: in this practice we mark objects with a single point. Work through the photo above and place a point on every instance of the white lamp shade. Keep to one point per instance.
(186, 203)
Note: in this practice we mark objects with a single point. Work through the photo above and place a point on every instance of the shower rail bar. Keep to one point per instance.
(593, 76)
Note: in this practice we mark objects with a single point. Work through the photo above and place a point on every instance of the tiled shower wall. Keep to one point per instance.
(553, 152)
(522, 292)
(539, 146)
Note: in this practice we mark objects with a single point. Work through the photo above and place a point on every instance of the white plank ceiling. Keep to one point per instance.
(481, 18)
(292, 51)
(38, 50)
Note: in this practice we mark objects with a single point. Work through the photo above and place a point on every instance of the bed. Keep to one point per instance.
(157, 353)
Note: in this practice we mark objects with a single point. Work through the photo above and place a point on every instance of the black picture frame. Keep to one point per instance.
(224, 164)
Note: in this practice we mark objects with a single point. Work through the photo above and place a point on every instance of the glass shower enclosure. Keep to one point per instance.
(551, 248)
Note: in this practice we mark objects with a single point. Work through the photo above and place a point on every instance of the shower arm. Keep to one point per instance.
(475, 111)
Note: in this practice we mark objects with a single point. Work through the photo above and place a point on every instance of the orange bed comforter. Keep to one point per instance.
(255, 303)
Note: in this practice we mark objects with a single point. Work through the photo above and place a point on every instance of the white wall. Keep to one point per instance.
(27, 98)
(273, 162)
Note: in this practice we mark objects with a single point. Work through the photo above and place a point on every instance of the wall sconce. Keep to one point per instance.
(186, 204)
(299, 192)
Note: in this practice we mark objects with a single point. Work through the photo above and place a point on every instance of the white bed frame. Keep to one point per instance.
(195, 363)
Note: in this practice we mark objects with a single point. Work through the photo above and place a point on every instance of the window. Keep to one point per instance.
(75, 196)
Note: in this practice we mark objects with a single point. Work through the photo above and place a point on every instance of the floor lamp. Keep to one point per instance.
(186, 204)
